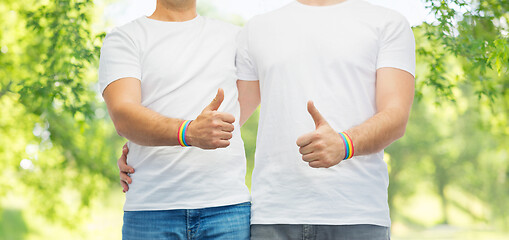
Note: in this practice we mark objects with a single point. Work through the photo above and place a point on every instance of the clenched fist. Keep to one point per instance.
(324, 147)
(211, 129)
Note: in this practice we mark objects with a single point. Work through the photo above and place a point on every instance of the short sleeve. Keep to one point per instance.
(119, 59)
(397, 45)
(246, 69)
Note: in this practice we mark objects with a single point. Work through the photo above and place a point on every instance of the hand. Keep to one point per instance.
(322, 148)
(211, 129)
(125, 170)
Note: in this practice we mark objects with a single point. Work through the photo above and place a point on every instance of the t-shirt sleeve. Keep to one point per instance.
(397, 45)
(119, 59)
(246, 69)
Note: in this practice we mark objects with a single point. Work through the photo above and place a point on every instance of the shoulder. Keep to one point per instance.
(380, 19)
(380, 14)
(222, 25)
(271, 17)
(130, 27)
(128, 31)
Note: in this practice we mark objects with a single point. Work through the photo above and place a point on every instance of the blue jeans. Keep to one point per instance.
(319, 232)
(225, 222)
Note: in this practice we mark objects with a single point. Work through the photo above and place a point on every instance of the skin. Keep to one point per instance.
(320, 2)
(324, 148)
(210, 130)
(249, 98)
(174, 10)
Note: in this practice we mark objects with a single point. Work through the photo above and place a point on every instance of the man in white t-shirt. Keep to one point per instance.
(156, 73)
(356, 62)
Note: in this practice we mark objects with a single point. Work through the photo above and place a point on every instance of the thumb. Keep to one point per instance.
(214, 105)
(317, 116)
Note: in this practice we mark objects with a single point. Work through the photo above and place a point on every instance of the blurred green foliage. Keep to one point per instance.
(56, 144)
(457, 139)
(58, 147)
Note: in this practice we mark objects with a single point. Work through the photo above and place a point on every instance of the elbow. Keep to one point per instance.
(119, 121)
(400, 120)
(400, 132)
(122, 113)
(119, 127)
(120, 131)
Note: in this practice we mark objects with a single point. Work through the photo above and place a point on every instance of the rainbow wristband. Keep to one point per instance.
(182, 133)
(349, 150)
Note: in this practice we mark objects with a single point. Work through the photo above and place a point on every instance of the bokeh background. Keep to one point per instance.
(58, 148)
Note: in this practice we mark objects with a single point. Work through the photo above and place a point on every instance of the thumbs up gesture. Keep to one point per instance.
(323, 147)
(211, 129)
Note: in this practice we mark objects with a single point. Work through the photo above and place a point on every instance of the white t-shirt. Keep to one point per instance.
(330, 55)
(180, 65)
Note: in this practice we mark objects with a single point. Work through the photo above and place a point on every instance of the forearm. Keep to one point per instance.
(394, 97)
(378, 132)
(210, 130)
(324, 147)
(145, 127)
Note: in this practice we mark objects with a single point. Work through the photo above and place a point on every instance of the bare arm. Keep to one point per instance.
(135, 122)
(394, 97)
(249, 98)
(210, 130)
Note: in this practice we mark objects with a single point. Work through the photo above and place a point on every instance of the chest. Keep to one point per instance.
(187, 55)
(329, 41)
